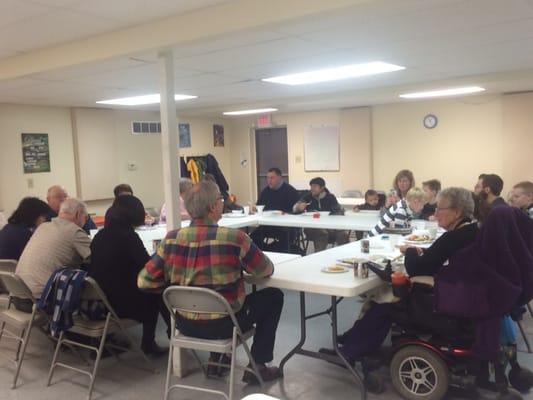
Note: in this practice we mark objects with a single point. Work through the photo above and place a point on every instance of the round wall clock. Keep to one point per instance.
(430, 121)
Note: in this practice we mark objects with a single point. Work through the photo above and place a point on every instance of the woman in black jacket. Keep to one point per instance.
(117, 256)
(454, 213)
(30, 213)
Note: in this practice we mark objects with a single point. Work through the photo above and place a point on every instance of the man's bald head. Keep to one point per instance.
(56, 195)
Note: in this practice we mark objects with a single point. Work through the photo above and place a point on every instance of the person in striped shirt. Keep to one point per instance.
(207, 255)
(401, 212)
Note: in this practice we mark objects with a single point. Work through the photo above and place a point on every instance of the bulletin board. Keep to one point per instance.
(321, 148)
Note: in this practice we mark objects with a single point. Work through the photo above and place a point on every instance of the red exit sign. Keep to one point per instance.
(264, 121)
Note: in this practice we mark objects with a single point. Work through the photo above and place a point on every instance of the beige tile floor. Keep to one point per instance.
(304, 378)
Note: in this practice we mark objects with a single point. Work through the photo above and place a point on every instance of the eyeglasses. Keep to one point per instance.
(443, 208)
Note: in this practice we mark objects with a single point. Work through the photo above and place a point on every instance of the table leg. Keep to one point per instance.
(303, 334)
(336, 359)
(352, 370)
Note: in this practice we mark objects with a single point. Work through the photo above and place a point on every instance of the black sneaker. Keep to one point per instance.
(267, 373)
(153, 349)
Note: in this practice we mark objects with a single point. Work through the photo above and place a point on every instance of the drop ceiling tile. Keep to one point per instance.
(90, 69)
(55, 3)
(13, 11)
(226, 42)
(140, 11)
(275, 50)
(52, 28)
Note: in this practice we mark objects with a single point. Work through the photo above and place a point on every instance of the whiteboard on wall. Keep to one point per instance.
(321, 148)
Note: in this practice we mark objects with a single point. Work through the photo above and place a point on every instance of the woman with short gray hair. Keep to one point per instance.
(185, 185)
(454, 211)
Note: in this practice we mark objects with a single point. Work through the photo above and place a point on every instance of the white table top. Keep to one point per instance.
(351, 201)
(278, 258)
(305, 274)
(353, 221)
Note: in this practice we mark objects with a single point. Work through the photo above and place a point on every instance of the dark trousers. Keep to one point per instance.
(283, 238)
(148, 315)
(262, 308)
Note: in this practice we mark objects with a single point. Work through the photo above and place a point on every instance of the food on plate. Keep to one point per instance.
(335, 269)
(419, 238)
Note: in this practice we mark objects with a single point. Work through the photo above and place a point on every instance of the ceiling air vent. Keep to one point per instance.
(145, 127)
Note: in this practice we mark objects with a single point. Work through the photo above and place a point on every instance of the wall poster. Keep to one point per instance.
(184, 131)
(35, 152)
(218, 135)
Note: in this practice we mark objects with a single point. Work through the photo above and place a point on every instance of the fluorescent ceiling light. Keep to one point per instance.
(443, 92)
(334, 74)
(247, 112)
(141, 100)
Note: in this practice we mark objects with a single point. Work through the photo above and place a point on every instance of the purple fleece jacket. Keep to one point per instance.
(487, 279)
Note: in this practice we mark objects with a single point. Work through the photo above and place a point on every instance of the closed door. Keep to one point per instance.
(271, 151)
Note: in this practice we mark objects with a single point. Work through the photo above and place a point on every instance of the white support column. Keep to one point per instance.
(169, 139)
(171, 173)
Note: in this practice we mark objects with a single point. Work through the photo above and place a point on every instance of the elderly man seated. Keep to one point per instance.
(58, 194)
(56, 244)
(210, 256)
(319, 198)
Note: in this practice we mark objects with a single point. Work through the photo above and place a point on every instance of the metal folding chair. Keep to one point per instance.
(22, 322)
(9, 266)
(98, 330)
(205, 301)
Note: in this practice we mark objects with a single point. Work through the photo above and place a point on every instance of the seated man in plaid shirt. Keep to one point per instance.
(207, 255)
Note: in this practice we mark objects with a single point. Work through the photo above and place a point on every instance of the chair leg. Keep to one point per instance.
(2, 329)
(524, 336)
(25, 337)
(17, 354)
(98, 357)
(254, 365)
(232, 365)
(170, 364)
(54, 359)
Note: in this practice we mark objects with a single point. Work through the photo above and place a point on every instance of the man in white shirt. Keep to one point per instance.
(56, 244)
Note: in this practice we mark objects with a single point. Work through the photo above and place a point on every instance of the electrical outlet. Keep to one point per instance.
(298, 159)
(29, 181)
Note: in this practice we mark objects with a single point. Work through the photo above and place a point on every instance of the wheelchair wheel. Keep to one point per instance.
(418, 373)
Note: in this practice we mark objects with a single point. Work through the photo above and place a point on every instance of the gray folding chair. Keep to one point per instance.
(205, 301)
(9, 266)
(97, 329)
(21, 322)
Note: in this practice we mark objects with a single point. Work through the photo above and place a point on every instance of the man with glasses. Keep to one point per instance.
(214, 257)
(56, 244)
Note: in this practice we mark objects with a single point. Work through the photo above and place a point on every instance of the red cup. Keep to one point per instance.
(316, 215)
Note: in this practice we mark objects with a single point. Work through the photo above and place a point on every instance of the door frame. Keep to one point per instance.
(253, 170)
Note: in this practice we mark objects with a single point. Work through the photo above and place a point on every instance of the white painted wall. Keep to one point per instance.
(474, 135)
(17, 119)
(466, 142)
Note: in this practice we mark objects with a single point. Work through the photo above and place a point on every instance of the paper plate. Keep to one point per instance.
(336, 269)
